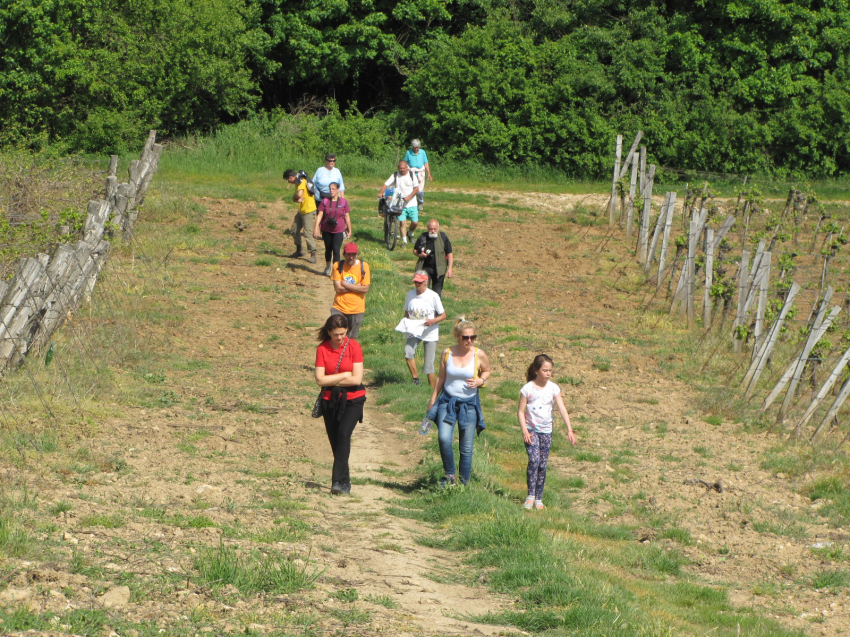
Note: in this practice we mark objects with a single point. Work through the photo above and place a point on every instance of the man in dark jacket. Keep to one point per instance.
(435, 255)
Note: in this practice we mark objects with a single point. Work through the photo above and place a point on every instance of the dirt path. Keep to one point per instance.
(218, 448)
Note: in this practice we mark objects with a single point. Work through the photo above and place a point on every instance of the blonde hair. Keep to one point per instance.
(462, 324)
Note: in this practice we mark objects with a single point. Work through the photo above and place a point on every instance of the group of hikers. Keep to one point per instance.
(464, 368)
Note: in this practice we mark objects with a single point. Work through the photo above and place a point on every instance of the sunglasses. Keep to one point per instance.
(330, 161)
(468, 338)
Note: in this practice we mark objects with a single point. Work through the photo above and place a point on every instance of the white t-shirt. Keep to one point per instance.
(425, 306)
(404, 185)
(538, 411)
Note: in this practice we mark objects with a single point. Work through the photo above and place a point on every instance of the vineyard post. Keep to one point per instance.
(612, 205)
(709, 277)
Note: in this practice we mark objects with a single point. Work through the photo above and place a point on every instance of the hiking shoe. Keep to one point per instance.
(529, 502)
(312, 258)
(538, 504)
(297, 254)
(328, 270)
(345, 488)
(448, 481)
(416, 381)
(337, 488)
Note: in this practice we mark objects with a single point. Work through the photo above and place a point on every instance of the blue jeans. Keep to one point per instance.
(445, 435)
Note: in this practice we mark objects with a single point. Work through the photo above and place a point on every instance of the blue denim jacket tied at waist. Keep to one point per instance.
(466, 411)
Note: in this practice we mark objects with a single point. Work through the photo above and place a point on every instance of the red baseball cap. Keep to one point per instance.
(350, 247)
(419, 277)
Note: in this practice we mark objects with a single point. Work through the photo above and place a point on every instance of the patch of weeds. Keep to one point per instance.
(602, 364)
(574, 482)
(587, 456)
(716, 421)
(283, 531)
(253, 571)
(264, 262)
(570, 380)
(351, 615)
(669, 457)
(382, 600)
(111, 521)
(682, 536)
(831, 579)
(154, 378)
(14, 540)
(782, 527)
(767, 589)
(705, 452)
(734, 466)
(833, 552)
(60, 507)
(661, 428)
(348, 595)
(509, 389)
(389, 546)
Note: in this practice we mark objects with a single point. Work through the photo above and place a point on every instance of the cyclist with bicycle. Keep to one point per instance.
(417, 159)
(406, 186)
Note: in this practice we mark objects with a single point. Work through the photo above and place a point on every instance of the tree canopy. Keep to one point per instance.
(727, 85)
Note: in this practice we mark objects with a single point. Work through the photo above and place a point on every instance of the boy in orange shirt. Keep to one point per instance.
(351, 279)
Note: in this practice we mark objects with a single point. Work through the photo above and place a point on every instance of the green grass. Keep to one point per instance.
(831, 579)
(253, 572)
(107, 521)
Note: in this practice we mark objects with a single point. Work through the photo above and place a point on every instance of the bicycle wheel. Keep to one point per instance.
(390, 230)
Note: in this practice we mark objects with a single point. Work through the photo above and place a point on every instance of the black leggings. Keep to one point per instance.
(333, 243)
(339, 435)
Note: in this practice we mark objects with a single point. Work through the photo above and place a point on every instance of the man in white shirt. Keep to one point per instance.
(423, 305)
(406, 185)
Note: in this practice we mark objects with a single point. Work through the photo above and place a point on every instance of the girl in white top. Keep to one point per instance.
(535, 419)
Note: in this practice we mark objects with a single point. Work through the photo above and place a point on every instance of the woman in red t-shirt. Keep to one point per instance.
(343, 398)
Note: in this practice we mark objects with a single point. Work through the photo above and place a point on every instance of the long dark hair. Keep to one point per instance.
(335, 321)
(535, 366)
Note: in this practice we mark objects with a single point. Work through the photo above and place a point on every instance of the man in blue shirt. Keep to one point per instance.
(417, 159)
(325, 176)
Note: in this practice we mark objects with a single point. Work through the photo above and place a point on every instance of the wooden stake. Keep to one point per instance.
(612, 205)
(656, 235)
(742, 292)
(709, 278)
(665, 244)
(760, 360)
(691, 287)
(630, 158)
(631, 210)
(762, 302)
(840, 365)
(833, 410)
(814, 336)
(643, 232)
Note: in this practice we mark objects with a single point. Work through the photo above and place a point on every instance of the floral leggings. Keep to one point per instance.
(538, 457)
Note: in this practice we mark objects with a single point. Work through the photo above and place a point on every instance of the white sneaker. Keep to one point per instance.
(404, 240)
(529, 502)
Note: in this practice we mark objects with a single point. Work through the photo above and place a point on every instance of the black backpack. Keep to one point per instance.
(303, 175)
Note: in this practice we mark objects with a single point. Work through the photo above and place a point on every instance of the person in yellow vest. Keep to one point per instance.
(351, 279)
(305, 218)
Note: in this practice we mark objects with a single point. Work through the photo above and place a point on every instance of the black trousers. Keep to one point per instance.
(339, 435)
(436, 281)
(333, 243)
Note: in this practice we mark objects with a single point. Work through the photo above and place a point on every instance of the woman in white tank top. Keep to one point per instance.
(463, 370)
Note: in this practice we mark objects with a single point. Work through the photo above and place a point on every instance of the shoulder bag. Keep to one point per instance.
(317, 406)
